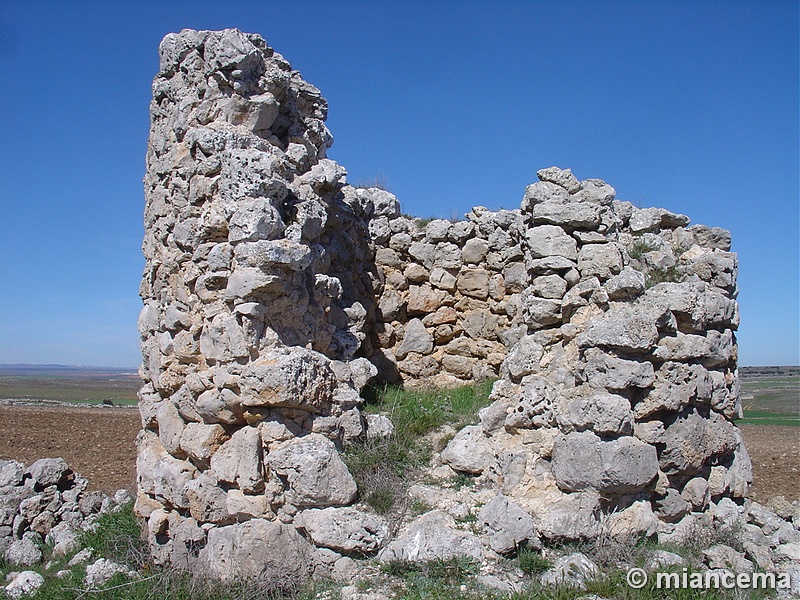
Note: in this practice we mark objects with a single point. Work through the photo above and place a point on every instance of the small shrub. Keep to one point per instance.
(118, 537)
(460, 480)
(659, 275)
(639, 247)
(532, 562)
(419, 507)
(378, 182)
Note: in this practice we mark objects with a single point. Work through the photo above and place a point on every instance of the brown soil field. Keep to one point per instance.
(99, 444)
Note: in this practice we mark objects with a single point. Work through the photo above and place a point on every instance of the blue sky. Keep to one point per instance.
(688, 105)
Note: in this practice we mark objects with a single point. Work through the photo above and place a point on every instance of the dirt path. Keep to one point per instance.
(99, 444)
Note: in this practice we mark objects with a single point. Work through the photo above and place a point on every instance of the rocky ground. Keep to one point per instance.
(98, 443)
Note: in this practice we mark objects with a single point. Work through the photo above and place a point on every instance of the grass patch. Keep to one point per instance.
(118, 537)
(658, 275)
(639, 247)
(378, 182)
(532, 562)
(384, 467)
(437, 579)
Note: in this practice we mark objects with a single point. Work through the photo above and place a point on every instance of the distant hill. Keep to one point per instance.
(777, 371)
(55, 371)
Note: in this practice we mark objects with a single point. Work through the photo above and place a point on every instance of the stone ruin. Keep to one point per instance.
(274, 291)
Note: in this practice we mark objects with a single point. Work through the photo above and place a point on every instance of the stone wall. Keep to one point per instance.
(274, 291)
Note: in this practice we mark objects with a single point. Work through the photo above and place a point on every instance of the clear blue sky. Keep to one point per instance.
(688, 105)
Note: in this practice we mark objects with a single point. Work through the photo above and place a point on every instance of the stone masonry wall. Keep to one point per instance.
(274, 292)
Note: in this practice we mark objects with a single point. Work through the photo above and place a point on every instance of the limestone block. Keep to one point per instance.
(623, 327)
(447, 256)
(314, 472)
(170, 426)
(582, 461)
(416, 273)
(423, 253)
(549, 286)
(346, 530)
(474, 283)
(248, 550)
(572, 215)
(460, 366)
(223, 339)
(546, 241)
(626, 285)
(542, 191)
(432, 536)
(599, 260)
(508, 526)
(415, 339)
(474, 251)
(238, 461)
(208, 503)
(469, 451)
(561, 177)
(583, 409)
(596, 191)
(693, 439)
(461, 231)
(437, 230)
(295, 377)
(423, 300)
(612, 373)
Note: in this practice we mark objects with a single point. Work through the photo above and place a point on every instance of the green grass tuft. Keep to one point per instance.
(384, 468)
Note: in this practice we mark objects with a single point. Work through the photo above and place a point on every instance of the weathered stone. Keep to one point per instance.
(474, 283)
(508, 526)
(101, 571)
(585, 409)
(547, 241)
(624, 328)
(415, 339)
(693, 439)
(612, 373)
(672, 507)
(48, 471)
(561, 177)
(238, 461)
(627, 284)
(11, 472)
(314, 472)
(542, 191)
(599, 260)
(549, 286)
(345, 530)
(474, 251)
(26, 583)
(295, 377)
(423, 300)
(432, 537)
(571, 215)
(443, 279)
(200, 441)
(583, 461)
(24, 552)
(257, 549)
(469, 451)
